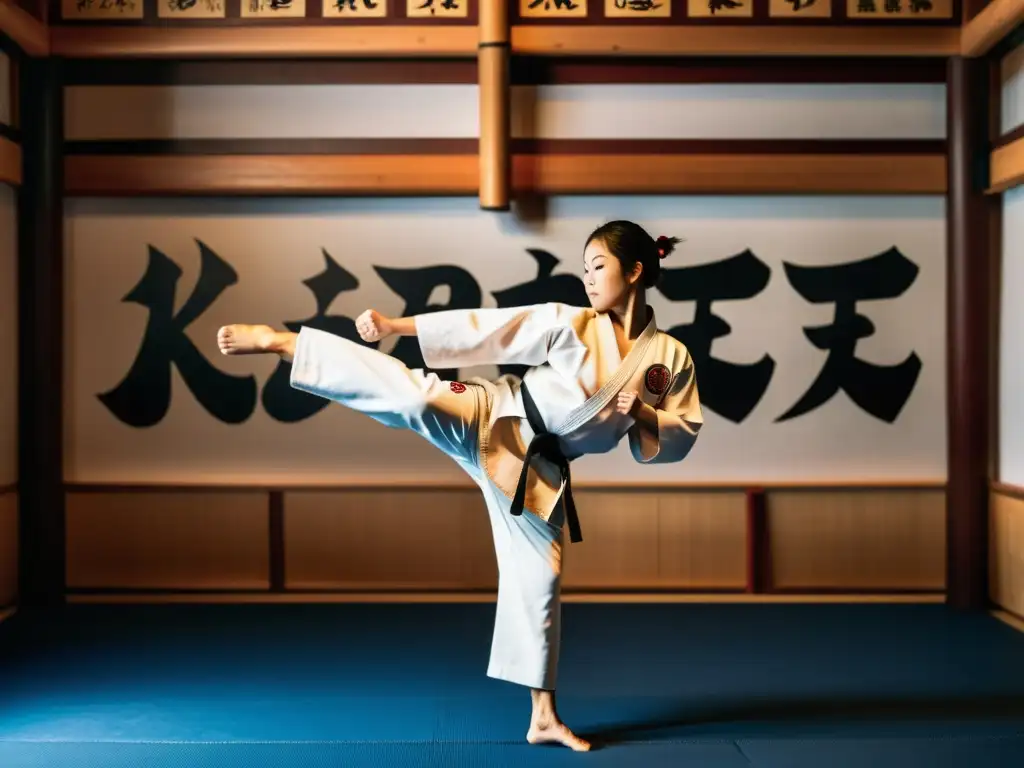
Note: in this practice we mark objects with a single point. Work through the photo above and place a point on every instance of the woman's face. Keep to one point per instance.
(606, 285)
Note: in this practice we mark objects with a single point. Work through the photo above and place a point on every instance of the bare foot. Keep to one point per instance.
(245, 339)
(555, 732)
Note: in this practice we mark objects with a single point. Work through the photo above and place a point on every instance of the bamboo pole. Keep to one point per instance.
(495, 163)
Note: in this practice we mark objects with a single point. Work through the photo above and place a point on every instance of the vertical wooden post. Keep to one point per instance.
(495, 94)
(40, 346)
(968, 352)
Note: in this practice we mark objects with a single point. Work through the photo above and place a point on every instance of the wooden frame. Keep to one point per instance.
(991, 25)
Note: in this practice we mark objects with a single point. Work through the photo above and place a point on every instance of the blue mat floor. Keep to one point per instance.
(715, 686)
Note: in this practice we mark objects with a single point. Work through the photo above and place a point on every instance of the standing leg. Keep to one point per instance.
(527, 625)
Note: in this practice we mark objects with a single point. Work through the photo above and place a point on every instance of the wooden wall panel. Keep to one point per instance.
(850, 540)
(380, 539)
(1006, 551)
(8, 548)
(168, 540)
(439, 540)
(658, 540)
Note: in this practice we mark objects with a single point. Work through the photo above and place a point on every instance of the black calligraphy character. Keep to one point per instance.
(280, 400)
(880, 390)
(143, 397)
(717, 5)
(892, 6)
(866, 6)
(83, 4)
(545, 287)
(799, 5)
(565, 5)
(637, 5)
(181, 5)
(277, 5)
(367, 4)
(448, 5)
(729, 389)
(417, 286)
(920, 6)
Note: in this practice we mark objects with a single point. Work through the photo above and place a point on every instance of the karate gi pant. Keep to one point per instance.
(527, 626)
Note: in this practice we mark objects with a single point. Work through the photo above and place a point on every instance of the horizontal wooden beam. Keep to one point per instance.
(396, 174)
(264, 42)
(556, 40)
(10, 162)
(995, 21)
(27, 32)
(661, 40)
(1006, 166)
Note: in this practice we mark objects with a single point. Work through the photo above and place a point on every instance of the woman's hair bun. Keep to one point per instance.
(666, 245)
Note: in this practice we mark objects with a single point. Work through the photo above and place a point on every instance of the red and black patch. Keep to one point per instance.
(457, 387)
(656, 379)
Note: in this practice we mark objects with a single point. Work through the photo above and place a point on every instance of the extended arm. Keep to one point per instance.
(530, 335)
(666, 434)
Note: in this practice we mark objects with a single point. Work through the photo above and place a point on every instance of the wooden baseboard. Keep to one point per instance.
(1012, 619)
(489, 597)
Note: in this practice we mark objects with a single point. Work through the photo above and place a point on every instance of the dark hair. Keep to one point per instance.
(630, 243)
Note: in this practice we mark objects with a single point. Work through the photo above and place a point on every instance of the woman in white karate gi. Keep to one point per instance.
(598, 374)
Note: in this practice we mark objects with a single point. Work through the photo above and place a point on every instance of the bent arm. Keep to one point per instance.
(497, 336)
(666, 434)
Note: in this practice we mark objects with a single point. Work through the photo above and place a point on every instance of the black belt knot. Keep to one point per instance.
(545, 444)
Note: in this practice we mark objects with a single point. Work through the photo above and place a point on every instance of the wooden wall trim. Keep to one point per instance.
(26, 31)
(444, 487)
(1007, 489)
(422, 41)
(373, 175)
(1006, 166)
(10, 162)
(995, 21)
(663, 40)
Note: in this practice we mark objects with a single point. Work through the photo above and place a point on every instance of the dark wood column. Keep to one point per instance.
(40, 319)
(970, 265)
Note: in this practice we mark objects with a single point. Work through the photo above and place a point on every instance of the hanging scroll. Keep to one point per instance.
(800, 9)
(355, 9)
(273, 9)
(637, 9)
(553, 9)
(891, 10)
(191, 9)
(722, 8)
(101, 10)
(437, 9)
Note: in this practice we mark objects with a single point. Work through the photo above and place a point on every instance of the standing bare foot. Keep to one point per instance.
(246, 339)
(555, 732)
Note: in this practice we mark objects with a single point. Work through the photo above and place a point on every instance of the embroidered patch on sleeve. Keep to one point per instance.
(656, 379)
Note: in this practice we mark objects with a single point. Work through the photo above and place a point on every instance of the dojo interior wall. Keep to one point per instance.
(1007, 497)
(10, 174)
(167, 525)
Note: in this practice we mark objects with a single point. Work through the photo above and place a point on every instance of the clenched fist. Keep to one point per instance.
(626, 402)
(373, 326)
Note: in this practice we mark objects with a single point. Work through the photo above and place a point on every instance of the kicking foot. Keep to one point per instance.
(246, 339)
(555, 732)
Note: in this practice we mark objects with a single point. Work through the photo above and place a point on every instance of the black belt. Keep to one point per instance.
(545, 444)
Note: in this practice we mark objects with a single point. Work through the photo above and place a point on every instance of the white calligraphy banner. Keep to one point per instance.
(136, 322)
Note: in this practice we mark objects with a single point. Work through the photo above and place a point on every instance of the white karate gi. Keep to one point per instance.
(577, 375)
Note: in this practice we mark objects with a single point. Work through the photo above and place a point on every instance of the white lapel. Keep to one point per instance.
(600, 399)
